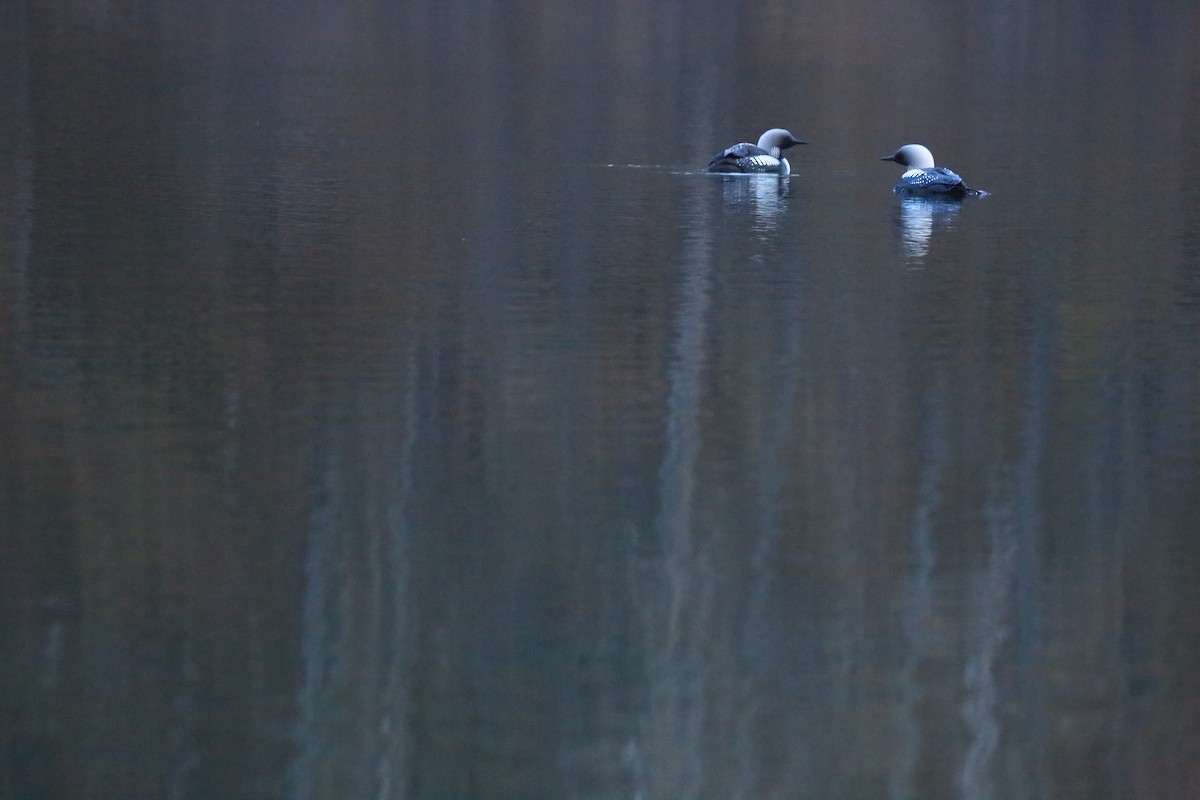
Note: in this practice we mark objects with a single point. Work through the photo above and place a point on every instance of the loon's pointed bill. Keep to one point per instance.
(764, 157)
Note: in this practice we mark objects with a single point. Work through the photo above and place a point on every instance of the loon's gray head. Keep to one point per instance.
(776, 140)
(913, 156)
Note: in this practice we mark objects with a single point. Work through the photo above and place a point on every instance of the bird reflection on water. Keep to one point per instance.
(764, 194)
(920, 217)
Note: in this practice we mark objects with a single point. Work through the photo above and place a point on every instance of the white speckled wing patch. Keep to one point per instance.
(764, 163)
(930, 176)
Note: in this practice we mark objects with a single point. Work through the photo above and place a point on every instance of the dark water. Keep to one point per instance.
(390, 409)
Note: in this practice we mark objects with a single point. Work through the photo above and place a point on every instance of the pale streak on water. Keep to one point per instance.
(919, 618)
(686, 563)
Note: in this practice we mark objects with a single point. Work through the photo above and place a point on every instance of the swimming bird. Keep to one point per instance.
(766, 156)
(922, 178)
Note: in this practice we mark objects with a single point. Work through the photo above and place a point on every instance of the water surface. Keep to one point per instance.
(391, 408)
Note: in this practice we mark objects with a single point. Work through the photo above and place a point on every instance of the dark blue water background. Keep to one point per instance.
(389, 407)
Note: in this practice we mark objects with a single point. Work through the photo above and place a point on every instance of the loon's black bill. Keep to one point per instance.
(888, 158)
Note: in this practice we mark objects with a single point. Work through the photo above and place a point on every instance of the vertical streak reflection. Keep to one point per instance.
(679, 675)
(979, 707)
(1010, 582)
(917, 621)
(353, 704)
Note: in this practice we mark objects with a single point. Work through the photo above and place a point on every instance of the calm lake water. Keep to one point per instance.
(391, 409)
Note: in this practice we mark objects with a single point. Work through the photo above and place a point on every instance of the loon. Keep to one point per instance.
(766, 156)
(924, 179)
